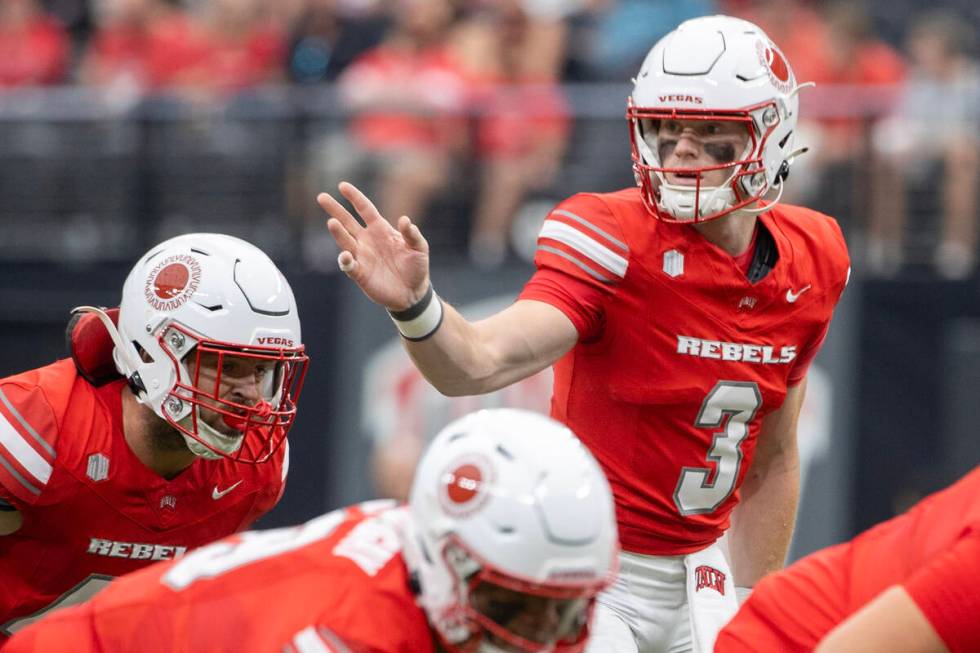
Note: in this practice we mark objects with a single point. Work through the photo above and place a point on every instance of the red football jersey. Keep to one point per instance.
(261, 591)
(91, 509)
(933, 551)
(680, 356)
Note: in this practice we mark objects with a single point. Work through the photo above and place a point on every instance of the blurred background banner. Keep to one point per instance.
(123, 122)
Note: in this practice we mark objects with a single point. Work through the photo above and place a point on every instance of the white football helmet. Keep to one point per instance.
(714, 68)
(512, 534)
(217, 299)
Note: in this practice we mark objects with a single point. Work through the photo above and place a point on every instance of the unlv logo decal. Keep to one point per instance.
(709, 577)
(775, 63)
(172, 282)
(463, 486)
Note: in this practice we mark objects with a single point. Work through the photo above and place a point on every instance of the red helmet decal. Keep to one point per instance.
(777, 64)
(172, 281)
(463, 486)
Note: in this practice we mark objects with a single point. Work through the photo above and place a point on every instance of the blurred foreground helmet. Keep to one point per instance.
(513, 534)
(219, 300)
(714, 68)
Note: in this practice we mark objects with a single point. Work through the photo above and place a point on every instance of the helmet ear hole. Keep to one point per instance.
(144, 355)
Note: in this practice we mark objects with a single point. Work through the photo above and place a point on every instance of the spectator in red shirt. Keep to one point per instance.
(409, 98)
(516, 53)
(117, 58)
(221, 47)
(33, 46)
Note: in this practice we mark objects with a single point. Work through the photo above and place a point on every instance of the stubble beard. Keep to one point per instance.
(163, 436)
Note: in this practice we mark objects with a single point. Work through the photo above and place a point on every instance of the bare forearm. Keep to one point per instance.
(454, 359)
(467, 358)
(762, 524)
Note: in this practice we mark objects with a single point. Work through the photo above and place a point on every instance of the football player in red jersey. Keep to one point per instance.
(681, 317)
(137, 448)
(908, 585)
(508, 537)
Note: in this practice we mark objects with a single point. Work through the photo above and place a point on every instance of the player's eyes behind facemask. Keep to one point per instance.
(721, 140)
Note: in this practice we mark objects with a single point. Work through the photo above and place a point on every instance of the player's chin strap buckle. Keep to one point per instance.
(91, 344)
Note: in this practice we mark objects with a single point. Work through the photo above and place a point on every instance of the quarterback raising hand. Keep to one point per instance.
(391, 265)
(681, 317)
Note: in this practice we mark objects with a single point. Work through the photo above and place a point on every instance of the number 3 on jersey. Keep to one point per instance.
(734, 404)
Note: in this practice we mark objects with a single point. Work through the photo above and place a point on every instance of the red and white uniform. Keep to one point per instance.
(933, 551)
(91, 509)
(680, 356)
(340, 576)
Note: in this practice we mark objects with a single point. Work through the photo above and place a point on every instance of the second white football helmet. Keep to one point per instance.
(714, 68)
(512, 534)
(200, 308)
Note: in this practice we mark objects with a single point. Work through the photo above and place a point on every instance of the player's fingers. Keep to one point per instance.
(412, 235)
(364, 207)
(337, 211)
(341, 236)
(347, 263)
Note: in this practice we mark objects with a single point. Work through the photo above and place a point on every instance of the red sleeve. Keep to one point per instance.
(841, 275)
(28, 431)
(946, 592)
(803, 360)
(582, 255)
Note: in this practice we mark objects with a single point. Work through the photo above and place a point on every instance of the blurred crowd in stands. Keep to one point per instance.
(441, 89)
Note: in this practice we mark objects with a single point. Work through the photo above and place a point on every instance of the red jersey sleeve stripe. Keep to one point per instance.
(17, 476)
(15, 448)
(27, 427)
(285, 460)
(317, 640)
(585, 223)
(571, 259)
(585, 245)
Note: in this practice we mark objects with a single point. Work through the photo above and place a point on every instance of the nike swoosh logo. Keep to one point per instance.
(791, 296)
(217, 494)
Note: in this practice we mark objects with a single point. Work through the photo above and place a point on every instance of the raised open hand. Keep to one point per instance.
(391, 265)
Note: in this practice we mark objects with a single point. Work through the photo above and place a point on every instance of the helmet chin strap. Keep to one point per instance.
(781, 179)
(225, 443)
(767, 205)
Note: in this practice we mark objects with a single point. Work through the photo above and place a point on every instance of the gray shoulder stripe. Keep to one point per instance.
(592, 273)
(27, 427)
(586, 223)
(23, 481)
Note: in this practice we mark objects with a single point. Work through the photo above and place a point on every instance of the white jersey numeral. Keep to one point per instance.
(734, 404)
(221, 557)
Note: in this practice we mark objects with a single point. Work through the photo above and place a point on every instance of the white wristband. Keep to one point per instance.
(420, 321)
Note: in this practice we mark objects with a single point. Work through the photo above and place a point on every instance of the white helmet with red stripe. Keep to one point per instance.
(714, 68)
(200, 308)
(512, 534)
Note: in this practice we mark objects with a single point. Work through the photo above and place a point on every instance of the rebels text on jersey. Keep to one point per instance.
(933, 551)
(259, 591)
(680, 356)
(91, 509)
